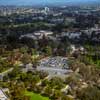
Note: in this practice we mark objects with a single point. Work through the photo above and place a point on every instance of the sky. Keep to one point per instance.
(45, 2)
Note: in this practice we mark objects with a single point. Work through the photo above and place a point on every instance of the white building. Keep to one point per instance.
(37, 35)
(72, 35)
(41, 33)
(3, 96)
(29, 36)
(74, 49)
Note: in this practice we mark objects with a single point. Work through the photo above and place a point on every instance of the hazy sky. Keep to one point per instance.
(41, 2)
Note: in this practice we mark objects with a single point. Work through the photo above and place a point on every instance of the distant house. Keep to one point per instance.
(76, 49)
(27, 67)
(72, 35)
(29, 35)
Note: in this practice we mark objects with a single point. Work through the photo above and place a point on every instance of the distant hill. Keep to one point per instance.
(49, 2)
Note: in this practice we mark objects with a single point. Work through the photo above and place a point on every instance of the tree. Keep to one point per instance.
(56, 94)
(14, 73)
(48, 91)
(64, 97)
(48, 50)
(26, 58)
(42, 74)
(26, 98)
(56, 83)
(24, 49)
(45, 82)
(17, 92)
(36, 78)
(89, 93)
(23, 77)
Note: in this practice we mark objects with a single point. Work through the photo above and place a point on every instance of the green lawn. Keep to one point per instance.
(35, 96)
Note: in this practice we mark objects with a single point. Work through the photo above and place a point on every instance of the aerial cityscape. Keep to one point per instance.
(49, 50)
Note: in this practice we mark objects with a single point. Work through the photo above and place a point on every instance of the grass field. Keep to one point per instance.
(35, 96)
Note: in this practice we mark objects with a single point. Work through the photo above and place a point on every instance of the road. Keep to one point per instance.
(5, 73)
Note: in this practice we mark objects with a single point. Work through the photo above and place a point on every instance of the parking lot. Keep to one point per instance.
(54, 65)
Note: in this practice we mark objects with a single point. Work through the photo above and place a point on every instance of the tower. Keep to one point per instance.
(46, 9)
